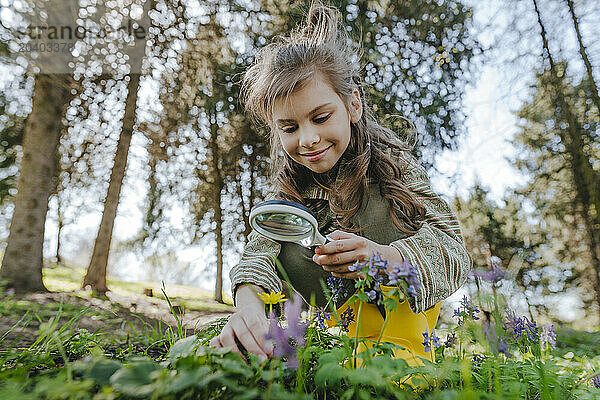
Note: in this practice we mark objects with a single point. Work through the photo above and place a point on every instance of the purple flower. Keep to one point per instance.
(466, 309)
(450, 341)
(495, 275)
(337, 287)
(523, 332)
(533, 331)
(372, 294)
(596, 381)
(377, 267)
(430, 340)
(548, 336)
(406, 273)
(285, 341)
(346, 318)
(354, 267)
(514, 325)
(497, 344)
(322, 315)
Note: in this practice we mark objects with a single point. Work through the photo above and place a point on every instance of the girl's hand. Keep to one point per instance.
(347, 248)
(248, 326)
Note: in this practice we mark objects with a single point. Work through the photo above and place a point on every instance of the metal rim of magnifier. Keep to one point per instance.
(286, 207)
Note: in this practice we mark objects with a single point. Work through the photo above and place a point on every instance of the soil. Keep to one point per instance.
(122, 313)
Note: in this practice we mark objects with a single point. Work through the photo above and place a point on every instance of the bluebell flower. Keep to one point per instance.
(465, 310)
(596, 381)
(377, 267)
(514, 325)
(430, 340)
(497, 344)
(337, 287)
(477, 359)
(405, 272)
(322, 315)
(450, 341)
(503, 348)
(372, 294)
(523, 331)
(354, 267)
(346, 318)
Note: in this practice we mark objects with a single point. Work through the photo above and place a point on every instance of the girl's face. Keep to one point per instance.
(314, 124)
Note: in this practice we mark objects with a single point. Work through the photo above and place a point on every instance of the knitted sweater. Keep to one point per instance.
(437, 249)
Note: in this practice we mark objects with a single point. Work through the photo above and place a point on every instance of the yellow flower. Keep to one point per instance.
(272, 298)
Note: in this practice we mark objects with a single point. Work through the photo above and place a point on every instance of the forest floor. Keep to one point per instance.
(127, 309)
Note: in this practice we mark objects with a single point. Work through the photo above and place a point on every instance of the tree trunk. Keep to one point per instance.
(584, 56)
(243, 209)
(61, 224)
(585, 179)
(23, 259)
(96, 273)
(218, 188)
(253, 172)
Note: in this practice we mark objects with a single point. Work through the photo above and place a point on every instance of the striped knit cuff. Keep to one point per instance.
(409, 249)
(248, 274)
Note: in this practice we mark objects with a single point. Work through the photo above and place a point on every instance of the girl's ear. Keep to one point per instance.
(355, 107)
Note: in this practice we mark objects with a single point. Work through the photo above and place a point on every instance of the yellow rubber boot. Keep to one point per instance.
(403, 328)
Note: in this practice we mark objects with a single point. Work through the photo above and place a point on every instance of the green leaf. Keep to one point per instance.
(186, 378)
(362, 296)
(248, 394)
(390, 305)
(182, 348)
(134, 379)
(365, 376)
(14, 390)
(235, 367)
(208, 379)
(336, 355)
(102, 370)
(329, 374)
(348, 395)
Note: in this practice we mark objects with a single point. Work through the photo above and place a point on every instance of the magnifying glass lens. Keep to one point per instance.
(284, 223)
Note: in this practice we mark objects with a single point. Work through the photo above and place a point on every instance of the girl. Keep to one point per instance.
(367, 191)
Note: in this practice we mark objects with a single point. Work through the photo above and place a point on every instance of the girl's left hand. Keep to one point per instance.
(346, 248)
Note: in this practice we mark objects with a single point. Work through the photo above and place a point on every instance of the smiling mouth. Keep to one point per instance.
(315, 153)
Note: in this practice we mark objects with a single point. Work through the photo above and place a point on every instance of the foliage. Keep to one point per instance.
(546, 153)
(70, 363)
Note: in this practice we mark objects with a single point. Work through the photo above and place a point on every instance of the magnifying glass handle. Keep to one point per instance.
(320, 240)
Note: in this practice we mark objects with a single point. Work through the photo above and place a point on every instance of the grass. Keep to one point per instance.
(81, 347)
(60, 278)
(124, 321)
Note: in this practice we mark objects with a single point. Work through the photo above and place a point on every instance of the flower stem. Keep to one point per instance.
(356, 333)
(385, 321)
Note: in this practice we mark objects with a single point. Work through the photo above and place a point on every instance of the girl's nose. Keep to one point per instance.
(309, 137)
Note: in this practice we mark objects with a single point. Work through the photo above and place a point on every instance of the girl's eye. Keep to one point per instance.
(322, 119)
(288, 129)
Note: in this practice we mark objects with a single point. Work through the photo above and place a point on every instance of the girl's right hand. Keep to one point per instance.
(248, 325)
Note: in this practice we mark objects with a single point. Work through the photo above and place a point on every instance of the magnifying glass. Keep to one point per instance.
(287, 221)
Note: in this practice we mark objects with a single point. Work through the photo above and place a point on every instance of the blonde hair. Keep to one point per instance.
(322, 46)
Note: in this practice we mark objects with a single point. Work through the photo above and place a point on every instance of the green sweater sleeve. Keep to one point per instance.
(437, 250)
